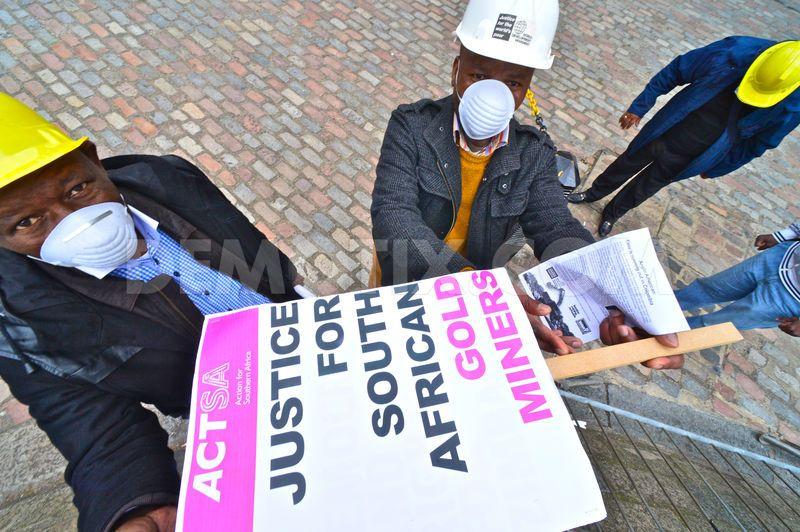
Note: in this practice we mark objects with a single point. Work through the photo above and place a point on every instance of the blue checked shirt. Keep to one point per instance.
(209, 290)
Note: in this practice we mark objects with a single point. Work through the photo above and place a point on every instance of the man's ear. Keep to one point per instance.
(89, 149)
(453, 72)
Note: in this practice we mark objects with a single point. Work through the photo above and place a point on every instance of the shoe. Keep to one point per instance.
(577, 197)
(606, 226)
(581, 197)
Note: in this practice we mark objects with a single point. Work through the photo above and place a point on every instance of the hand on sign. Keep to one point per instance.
(790, 326)
(549, 340)
(765, 242)
(161, 519)
(614, 331)
(629, 120)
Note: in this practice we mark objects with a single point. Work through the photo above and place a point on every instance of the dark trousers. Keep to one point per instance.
(656, 165)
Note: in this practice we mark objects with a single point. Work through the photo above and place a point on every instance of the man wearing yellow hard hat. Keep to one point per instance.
(741, 100)
(106, 270)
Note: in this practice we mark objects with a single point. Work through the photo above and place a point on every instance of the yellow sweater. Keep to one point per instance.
(472, 170)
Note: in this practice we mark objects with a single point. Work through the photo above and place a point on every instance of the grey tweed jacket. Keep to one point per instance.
(418, 192)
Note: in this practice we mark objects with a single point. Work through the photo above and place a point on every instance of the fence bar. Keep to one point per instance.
(681, 432)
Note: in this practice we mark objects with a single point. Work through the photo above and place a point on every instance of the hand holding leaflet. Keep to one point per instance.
(620, 272)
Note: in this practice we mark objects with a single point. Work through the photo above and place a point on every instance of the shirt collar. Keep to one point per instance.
(497, 142)
(146, 226)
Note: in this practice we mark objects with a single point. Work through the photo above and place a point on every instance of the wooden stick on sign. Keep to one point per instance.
(615, 356)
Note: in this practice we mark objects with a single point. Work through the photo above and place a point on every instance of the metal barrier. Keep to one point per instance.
(658, 477)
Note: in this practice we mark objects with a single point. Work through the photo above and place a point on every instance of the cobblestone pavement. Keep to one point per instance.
(284, 103)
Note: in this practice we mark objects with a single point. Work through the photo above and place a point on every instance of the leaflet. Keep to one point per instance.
(619, 272)
(425, 406)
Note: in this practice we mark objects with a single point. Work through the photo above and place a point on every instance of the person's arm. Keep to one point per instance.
(398, 228)
(117, 453)
(547, 222)
(682, 70)
(790, 233)
(767, 241)
(745, 150)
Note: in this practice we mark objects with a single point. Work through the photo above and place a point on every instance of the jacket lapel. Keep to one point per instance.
(506, 159)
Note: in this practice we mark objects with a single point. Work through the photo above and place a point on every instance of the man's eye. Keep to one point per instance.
(27, 222)
(479, 77)
(77, 189)
(512, 84)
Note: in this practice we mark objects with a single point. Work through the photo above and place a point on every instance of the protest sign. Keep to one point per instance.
(619, 272)
(422, 406)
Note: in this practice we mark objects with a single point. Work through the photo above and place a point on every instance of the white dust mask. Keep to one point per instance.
(97, 236)
(486, 109)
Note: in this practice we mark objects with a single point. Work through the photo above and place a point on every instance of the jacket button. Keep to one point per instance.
(446, 165)
(441, 128)
(505, 186)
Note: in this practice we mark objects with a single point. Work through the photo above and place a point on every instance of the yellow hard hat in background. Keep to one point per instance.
(27, 141)
(773, 76)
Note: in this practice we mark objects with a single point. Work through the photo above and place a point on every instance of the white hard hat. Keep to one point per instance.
(514, 31)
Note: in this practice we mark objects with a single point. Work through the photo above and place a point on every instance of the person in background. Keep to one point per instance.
(459, 178)
(741, 100)
(761, 292)
(108, 268)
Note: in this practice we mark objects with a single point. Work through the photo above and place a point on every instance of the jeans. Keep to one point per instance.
(755, 293)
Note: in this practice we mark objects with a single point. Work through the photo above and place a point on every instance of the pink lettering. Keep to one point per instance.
(533, 410)
(470, 364)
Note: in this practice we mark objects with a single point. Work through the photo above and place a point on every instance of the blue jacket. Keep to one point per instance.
(706, 72)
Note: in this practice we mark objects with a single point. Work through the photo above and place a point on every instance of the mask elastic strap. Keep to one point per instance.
(458, 73)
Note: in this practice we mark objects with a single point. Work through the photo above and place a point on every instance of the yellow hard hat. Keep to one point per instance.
(27, 141)
(773, 76)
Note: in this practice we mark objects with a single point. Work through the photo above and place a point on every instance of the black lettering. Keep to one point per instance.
(420, 356)
(448, 447)
(280, 416)
(279, 384)
(415, 321)
(285, 317)
(324, 309)
(338, 336)
(437, 427)
(289, 460)
(285, 362)
(365, 328)
(382, 421)
(408, 292)
(280, 349)
(380, 363)
(368, 306)
(332, 367)
(425, 369)
(290, 479)
(382, 398)
(426, 392)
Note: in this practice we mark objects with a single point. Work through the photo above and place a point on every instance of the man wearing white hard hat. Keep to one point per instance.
(461, 184)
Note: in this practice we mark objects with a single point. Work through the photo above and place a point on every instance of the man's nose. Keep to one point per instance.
(59, 211)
